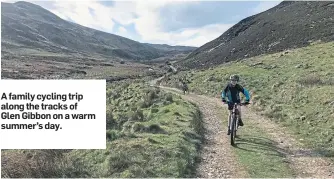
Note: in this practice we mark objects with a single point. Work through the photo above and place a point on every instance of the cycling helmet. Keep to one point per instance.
(234, 77)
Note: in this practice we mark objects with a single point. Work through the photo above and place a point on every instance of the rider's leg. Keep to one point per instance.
(239, 109)
(229, 122)
(229, 114)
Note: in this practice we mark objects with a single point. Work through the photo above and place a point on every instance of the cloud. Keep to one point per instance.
(148, 22)
(143, 14)
(123, 12)
(200, 36)
(87, 13)
(201, 13)
(264, 5)
(149, 26)
(151, 21)
(122, 30)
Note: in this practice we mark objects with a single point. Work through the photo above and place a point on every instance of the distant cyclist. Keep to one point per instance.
(232, 91)
(184, 86)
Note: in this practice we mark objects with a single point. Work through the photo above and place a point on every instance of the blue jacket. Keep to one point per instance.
(232, 93)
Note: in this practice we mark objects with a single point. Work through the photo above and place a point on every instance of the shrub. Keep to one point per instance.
(155, 129)
(137, 115)
(152, 95)
(169, 97)
(112, 135)
(111, 122)
(138, 127)
(143, 104)
(40, 164)
(154, 110)
(148, 99)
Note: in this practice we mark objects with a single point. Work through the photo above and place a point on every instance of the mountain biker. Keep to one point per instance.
(184, 85)
(232, 91)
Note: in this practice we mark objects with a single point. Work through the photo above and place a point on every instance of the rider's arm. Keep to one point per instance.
(223, 96)
(245, 92)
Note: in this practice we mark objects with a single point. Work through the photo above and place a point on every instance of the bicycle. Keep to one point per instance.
(234, 124)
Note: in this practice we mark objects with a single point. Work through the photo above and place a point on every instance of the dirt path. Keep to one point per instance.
(217, 157)
(219, 160)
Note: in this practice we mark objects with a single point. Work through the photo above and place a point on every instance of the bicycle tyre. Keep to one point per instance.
(233, 129)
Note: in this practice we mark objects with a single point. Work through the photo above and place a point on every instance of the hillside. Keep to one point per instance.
(294, 89)
(288, 25)
(29, 29)
(170, 48)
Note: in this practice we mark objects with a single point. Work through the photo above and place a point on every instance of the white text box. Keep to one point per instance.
(79, 105)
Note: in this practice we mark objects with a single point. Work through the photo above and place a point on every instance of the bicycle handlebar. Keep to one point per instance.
(241, 104)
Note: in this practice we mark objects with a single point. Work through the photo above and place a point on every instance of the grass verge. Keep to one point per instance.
(149, 134)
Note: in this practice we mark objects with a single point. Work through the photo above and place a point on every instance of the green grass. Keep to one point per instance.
(260, 155)
(294, 89)
(156, 135)
(150, 133)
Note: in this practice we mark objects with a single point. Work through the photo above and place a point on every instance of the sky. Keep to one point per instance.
(189, 23)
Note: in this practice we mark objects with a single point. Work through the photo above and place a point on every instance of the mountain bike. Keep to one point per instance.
(233, 121)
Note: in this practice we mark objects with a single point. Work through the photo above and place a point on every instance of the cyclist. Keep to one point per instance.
(232, 91)
(184, 85)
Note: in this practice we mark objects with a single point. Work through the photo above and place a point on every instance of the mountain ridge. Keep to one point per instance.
(287, 25)
(29, 27)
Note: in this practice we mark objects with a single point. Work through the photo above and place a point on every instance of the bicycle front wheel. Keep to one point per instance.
(233, 130)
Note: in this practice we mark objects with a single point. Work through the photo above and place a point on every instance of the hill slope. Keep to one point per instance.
(170, 48)
(294, 89)
(27, 27)
(288, 25)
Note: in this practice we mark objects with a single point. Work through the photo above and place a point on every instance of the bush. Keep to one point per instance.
(148, 99)
(154, 110)
(137, 115)
(112, 135)
(155, 129)
(169, 97)
(40, 164)
(136, 127)
(143, 104)
(152, 95)
(111, 122)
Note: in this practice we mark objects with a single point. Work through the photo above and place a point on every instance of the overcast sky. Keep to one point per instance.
(191, 23)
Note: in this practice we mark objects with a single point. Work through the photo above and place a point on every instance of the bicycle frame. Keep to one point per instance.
(235, 113)
(233, 122)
